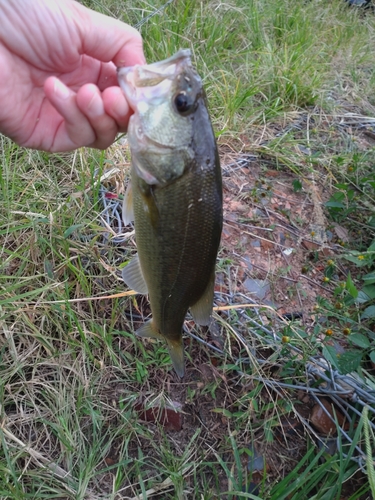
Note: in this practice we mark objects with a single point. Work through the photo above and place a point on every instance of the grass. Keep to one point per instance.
(72, 373)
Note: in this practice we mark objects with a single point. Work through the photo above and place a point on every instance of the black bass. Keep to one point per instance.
(175, 197)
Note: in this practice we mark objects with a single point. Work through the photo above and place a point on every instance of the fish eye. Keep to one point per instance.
(183, 103)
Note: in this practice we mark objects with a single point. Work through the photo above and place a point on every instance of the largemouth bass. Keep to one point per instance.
(175, 196)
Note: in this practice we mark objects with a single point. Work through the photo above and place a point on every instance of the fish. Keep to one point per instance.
(174, 197)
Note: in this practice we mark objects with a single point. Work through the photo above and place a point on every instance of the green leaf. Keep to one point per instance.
(48, 268)
(350, 361)
(297, 185)
(350, 194)
(369, 291)
(349, 301)
(350, 286)
(359, 340)
(330, 354)
(71, 229)
(334, 204)
(369, 278)
(362, 297)
(372, 356)
(302, 333)
(354, 258)
(369, 312)
(223, 411)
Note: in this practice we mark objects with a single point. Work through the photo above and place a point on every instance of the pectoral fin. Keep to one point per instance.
(133, 277)
(127, 206)
(202, 310)
(149, 204)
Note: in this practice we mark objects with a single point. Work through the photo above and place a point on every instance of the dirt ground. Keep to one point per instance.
(276, 242)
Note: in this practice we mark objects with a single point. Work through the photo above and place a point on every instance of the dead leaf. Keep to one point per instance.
(342, 233)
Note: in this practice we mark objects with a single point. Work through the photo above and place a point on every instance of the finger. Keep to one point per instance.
(107, 76)
(75, 131)
(117, 107)
(90, 70)
(90, 103)
(108, 39)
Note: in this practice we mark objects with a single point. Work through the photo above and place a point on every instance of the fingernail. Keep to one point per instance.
(96, 107)
(61, 90)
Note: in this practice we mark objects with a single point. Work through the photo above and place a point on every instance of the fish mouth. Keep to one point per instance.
(152, 81)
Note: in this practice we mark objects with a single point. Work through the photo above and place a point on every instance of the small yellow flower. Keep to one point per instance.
(329, 332)
(312, 233)
(361, 257)
(285, 339)
(346, 331)
(325, 279)
(330, 262)
(339, 305)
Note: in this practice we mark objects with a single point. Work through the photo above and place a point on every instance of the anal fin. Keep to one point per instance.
(148, 331)
(133, 277)
(202, 310)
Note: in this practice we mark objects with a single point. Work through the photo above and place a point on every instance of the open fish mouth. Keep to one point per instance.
(152, 82)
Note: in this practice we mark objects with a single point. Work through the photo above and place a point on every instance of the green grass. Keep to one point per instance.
(72, 372)
(259, 59)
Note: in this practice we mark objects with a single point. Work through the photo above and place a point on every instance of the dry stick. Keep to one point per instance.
(243, 306)
(133, 292)
(72, 301)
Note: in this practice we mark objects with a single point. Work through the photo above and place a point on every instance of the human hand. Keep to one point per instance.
(58, 83)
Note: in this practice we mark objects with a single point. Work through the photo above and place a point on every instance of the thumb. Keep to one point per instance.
(108, 39)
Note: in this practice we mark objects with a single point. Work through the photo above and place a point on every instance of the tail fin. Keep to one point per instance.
(176, 352)
(175, 347)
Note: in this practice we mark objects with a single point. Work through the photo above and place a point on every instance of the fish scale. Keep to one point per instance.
(182, 245)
